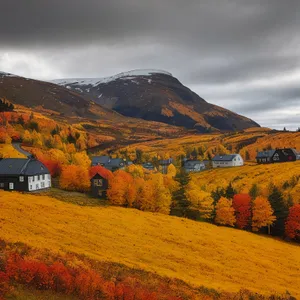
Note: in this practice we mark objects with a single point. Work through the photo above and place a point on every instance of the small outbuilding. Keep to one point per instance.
(24, 175)
(224, 161)
(193, 166)
(99, 186)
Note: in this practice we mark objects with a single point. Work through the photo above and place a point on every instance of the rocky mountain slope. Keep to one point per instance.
(158, 96)
(55, 99)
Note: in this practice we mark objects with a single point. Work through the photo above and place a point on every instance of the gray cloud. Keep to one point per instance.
(235, 53)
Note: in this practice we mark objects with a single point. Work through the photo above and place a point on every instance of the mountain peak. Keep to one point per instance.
(4, 74)
(123, 75)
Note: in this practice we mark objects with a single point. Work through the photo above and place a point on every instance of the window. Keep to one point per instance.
(30, 187)
(36, 178)
(29, 179)
(1, 185)
(43, 177)
(49, 184)
(21, 178)
(98, 182)
(37, 187)
(33, 178)
(43, 184)
(11, 185)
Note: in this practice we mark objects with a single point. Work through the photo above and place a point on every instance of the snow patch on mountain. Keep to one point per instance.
(95, 81)
(3, 74)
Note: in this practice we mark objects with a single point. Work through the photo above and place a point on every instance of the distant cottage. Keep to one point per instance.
(23, 174)
(231, 160)
(112, 164)
(277, 156)
(193, 166)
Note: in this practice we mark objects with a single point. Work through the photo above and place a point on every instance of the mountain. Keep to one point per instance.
(55, 99)
(158, 96)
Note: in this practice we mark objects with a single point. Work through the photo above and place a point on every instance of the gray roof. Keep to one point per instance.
(148, 165)
(98, 160)
(265, 154)
(192, 163)
(229, 157)
(22, 166)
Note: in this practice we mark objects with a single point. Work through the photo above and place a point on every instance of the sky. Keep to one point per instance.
(240, 54)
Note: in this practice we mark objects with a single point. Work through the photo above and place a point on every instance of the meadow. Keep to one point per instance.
(200, 254)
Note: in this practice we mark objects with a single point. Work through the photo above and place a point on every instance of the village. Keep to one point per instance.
(30, 175)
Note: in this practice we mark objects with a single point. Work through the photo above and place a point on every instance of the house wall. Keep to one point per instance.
(236, 162)
(99, 186)
(38, 182)
(25, 183)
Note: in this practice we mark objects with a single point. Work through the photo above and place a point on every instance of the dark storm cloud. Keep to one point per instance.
(220, 48)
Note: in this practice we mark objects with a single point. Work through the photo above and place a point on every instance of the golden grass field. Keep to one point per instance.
(243, 177)
(198, 253)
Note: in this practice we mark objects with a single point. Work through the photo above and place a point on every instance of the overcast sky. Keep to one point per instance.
(240, 54)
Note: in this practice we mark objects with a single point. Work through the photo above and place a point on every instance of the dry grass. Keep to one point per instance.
(198, 253)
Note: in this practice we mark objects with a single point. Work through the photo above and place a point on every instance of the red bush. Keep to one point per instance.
(4, 284)
(61, 278)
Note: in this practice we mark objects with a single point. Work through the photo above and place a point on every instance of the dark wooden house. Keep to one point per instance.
(23, 174)
(99, 186)
(277, 156)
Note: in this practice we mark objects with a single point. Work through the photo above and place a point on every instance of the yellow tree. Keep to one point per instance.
(82, 159)
(200, 200)
(262, 214)
(171, 171)
(161, 194)
(145, 196)
(225, 212)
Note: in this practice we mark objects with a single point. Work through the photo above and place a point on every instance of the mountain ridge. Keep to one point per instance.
(156, 95)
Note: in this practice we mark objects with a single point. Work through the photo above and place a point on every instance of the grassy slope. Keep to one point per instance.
(243, 177)
(198, 253)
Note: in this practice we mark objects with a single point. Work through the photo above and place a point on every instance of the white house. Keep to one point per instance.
(231, 160)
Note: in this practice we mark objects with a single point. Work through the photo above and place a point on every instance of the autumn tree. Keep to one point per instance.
(81, 159)
(280, 210)
(105, 173)
(161, 194)
(225, 212)
(262, 214)
(74, 178)
(200, 200)
(292, 225)
(242, 206)
(122, 190)
(171, 171)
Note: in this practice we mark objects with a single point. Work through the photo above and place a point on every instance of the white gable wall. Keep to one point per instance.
(39, 182)
(236, 162)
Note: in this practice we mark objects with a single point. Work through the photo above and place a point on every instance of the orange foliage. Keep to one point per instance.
(292, 226)
(74, 178)
(242, 206)
(225, 212)
(262, 213)
(107, 174)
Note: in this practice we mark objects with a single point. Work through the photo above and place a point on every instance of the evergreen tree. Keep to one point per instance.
(230, 192)
(21, 120)
(254, 191)
(139, 156)
(280, 210)
(180, 200)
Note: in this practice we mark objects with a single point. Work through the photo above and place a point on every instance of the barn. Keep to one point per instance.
(23, 174)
